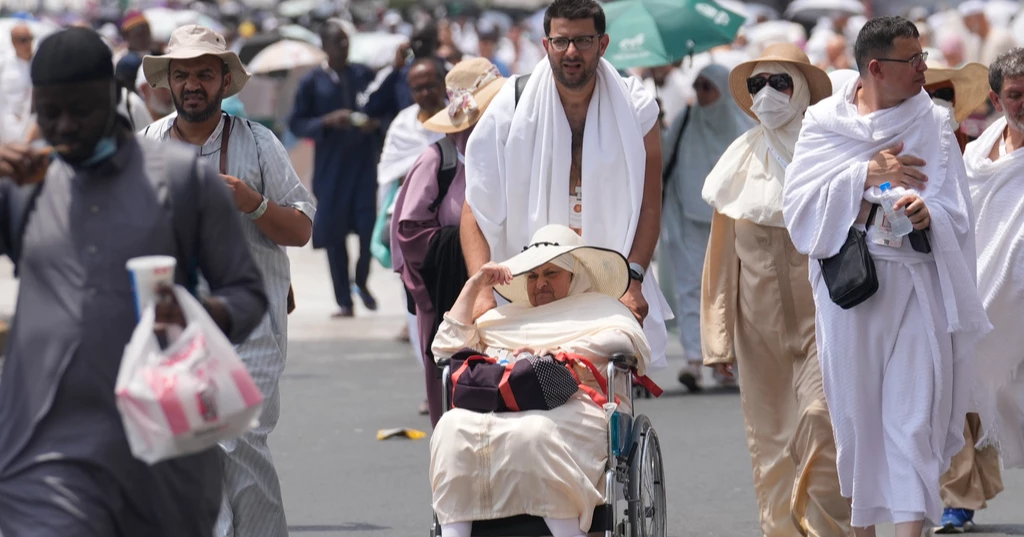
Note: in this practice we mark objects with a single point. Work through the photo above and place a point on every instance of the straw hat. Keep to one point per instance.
(608, 270)
(471, 84)
(970, 86)
(193, 41)
(817, 81)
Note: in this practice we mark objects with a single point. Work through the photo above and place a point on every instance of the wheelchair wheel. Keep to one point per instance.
(435, 528)
(647, 510)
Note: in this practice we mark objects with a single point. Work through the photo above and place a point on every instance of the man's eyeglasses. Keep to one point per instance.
(21, 40)
(778, 82)
(915, 61)
(583, 42)
(946, 94)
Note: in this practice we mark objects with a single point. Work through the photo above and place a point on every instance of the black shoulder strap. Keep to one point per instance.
(520, 87)
(446, 173)
(19, 223)
(178, 186)
(671, 166)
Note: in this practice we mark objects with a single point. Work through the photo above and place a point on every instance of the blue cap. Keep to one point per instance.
(884, 186)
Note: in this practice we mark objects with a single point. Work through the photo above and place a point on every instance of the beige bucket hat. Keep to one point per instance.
(969, 81)
(817, 81)
(608, 270)
(193, 41)
(472, 85)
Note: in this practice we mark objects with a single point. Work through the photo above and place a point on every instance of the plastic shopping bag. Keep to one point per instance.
(188, 397)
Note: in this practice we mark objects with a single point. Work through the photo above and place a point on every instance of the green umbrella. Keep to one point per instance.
(647, 33)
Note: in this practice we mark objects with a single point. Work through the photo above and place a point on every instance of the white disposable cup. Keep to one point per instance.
(147, 274)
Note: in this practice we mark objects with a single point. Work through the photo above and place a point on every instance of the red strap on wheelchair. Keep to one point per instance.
(646, 382)
(599, 398)
(506, 390)
(462, 369)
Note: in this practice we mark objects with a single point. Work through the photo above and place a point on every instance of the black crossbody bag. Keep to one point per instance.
(850, 274)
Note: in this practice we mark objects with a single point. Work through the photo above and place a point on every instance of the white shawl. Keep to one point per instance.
(405, 141)
(824, 187)
(517, 170)
(746, 184)
(997, 194)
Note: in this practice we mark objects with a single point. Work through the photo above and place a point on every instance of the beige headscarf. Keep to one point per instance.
(580, 278)
(746, 184)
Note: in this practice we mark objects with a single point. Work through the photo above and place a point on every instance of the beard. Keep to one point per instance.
(198, 116)
(1016, 123)
(576, 80)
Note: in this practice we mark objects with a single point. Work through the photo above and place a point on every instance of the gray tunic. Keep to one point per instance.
(75, 314)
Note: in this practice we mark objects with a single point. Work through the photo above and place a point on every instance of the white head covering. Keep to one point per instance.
(580, 278)
(747, 181)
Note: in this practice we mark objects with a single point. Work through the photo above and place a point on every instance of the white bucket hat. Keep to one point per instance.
(193, 41)
(607, 270)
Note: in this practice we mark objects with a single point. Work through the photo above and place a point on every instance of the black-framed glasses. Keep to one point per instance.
(946, 94)
(583, 42)
(778, 82)
(915, 61)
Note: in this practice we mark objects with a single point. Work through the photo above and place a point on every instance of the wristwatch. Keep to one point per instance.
(636, 272)
(259, 210)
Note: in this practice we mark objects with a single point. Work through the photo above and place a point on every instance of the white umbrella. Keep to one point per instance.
(1000, 12)
(812, 10)
(375, 49)
(163, 21)
(285, 55)
(300, 33)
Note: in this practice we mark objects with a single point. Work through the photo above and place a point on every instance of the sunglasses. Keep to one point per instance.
(946, 94)
(22, 40)
(778, 82)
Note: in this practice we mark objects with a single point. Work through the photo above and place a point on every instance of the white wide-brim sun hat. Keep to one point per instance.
(194, 41)
(607, 269)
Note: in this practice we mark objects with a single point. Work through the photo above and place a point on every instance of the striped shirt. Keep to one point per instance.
(257, 158)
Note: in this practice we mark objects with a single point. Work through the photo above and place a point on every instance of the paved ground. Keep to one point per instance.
(347, 379)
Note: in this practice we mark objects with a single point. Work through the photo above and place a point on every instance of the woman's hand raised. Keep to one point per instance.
(490, 275)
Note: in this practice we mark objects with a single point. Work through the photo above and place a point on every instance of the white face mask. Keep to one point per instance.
(772, 108)
(949, 106)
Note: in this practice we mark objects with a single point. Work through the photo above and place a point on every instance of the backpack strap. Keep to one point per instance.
(671, 166)
(446, 173)
(520, 87)
(178, 186)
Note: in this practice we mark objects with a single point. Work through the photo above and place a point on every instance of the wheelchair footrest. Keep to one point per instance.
(532, 526)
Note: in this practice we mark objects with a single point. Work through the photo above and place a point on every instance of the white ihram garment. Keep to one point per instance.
(997, 194)
(517, 171)
(896, 368)
(405, 141)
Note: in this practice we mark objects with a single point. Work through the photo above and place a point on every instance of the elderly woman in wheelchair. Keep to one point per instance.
(552, 463)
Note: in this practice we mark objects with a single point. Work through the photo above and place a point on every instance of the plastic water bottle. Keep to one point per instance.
(898, 221)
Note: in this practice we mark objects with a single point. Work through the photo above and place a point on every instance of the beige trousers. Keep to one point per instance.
(973, 477)
(789, 431)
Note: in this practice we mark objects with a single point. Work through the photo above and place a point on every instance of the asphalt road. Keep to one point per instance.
(347, 379)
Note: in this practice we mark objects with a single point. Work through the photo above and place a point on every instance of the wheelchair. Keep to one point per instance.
(634, 461)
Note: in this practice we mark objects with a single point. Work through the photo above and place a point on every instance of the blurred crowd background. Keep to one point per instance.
(279, 41)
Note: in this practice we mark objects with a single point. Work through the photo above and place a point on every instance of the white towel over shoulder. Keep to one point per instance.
(517, 170)
(998, 197)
